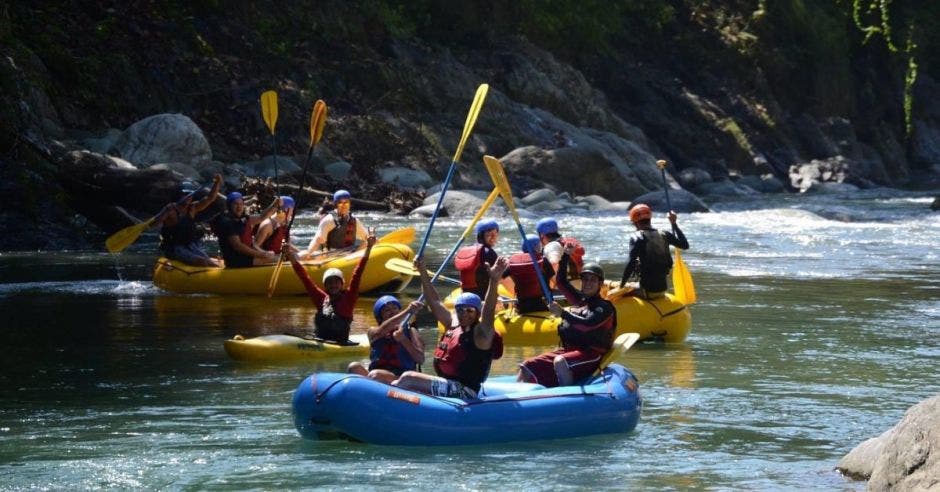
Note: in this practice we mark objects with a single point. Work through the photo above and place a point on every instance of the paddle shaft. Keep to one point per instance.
(662, 171)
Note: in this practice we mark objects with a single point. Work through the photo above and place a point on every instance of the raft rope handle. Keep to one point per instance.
(334, 383)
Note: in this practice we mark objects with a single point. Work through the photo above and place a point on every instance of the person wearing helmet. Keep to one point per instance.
(235, 230)
(334, 302)
(586, 330)
(523, 275)
(649, 252)
(395, 347)
(553, 245)
(272, 232)
(339, 229)
(180, 239)
(471, 261)
(466, 350)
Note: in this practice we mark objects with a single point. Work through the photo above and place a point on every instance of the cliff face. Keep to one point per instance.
(733, 89)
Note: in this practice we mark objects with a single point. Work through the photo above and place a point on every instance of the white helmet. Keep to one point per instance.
(333, 272)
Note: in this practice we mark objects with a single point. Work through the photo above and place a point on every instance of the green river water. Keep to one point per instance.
(818, 325)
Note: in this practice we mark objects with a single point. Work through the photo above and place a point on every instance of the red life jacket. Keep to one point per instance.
(468, 260)
(386, 353)
(275, 240)
(523, 275)
(343, 233)
(458, 358)
(247, 235)
(577, 256)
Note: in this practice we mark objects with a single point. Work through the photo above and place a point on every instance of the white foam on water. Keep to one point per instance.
(84, 287)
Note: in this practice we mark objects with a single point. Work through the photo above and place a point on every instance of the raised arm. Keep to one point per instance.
(676, 238)
(272, 208)
(431, 297)
(561, 278)
(391, 324)
(211, 197)
(361, 266)
(483, 335)
(317, 295)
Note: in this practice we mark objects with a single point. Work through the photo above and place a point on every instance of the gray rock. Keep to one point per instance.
(186, 171)
(936, 204)
(911, 456)
(120, 163)
(163, 138)
(537, 196)
(831, 188)
(338, 170)
(406, 178)
(724, 188)
(594, 202)
(693, 177)
(767, 183)
(838, 169)
(462, 203)
(264, 168)
(860, 462)
(426, 211)
(682, 201)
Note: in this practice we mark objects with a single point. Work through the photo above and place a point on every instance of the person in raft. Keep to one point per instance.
(339, 229)
(649, 252)
(334, 303)
(395, 348)
(466, 350)
(553, 245)
(234, 230)
(272, 232)
(586, 330)
(179, 238)
(528, 290)
(472, 261)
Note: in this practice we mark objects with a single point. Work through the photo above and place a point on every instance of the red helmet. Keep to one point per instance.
(640, 211)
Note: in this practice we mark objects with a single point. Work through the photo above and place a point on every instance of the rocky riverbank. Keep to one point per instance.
(108, 111)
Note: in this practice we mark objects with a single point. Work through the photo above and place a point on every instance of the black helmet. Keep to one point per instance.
(595, 269)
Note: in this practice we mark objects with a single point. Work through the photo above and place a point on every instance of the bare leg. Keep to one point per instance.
(562, 371)
(382, 375)
(414, 381)
(357, 368)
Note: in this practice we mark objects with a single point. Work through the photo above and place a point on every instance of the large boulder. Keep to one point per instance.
(265, 167)
(682, 201)
(838, 169)
(163, 138)
(860, 462)
(910, 458)
(406, 178)
(458, 203)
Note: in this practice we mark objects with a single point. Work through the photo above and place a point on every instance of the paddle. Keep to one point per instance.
(403, 266)
(269, 113)
(317, 123)
(467, 127)
(120, 240)
(620, 346)
(498, 175)
(681, 278)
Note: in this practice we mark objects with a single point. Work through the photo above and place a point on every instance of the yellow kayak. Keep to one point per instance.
(179, 277)
(665, 319)
(277, 348)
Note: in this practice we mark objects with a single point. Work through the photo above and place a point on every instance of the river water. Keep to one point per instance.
(818, 325)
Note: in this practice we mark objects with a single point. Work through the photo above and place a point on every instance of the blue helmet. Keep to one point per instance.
(380, 304)
(287, 202)
(469, 299)
(233, 197)
(547, 225)
(341, 195)
(531, 244)
(486, 225)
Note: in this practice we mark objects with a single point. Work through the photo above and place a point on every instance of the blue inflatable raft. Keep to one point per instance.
(331, 405)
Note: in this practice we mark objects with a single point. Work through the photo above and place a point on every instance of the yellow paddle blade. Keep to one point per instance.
(269, 109)
(498, 175)
(621, 345)
(405, 235)
(120, 240)
(401, 265)
(317, 122)
(682, 281)
(471, 118)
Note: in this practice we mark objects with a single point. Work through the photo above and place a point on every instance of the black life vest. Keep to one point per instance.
(458, 358)
(228, 226)
(600, 338)
(329, 325)
(343, 233)
(386, 353)
(655, 261)
(182, 233)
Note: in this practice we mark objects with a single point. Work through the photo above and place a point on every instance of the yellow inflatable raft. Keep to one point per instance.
(179, 277)
(281, 348)
(665, 319)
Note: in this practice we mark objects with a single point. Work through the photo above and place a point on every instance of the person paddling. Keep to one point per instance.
(339, 229)
(396, 348)
(528, 292)
(586, 330)
(272, 232)
(234, 231)
(472, 261)
(179, 238)
(467, 349)
(649, 252)
(334, 303)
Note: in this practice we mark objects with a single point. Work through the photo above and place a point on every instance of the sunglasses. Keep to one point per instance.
(465, 309)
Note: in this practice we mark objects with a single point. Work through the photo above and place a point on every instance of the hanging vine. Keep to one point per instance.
(881, 8)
